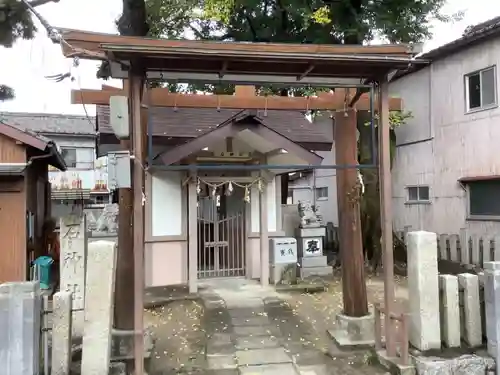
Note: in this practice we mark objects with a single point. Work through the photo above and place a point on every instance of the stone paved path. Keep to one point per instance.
(251, 331)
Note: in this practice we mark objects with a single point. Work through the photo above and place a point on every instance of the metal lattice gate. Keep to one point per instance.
(221, 240)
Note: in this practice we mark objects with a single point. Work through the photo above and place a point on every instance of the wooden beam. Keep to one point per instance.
(160, 97)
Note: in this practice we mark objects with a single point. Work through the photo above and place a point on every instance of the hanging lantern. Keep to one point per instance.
(198, 187)
(229, 189)
(246, 198)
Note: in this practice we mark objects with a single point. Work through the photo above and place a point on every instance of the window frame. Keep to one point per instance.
(418, 201)
(466, 90)
(471, 217)
(321, 198)
(76, 158)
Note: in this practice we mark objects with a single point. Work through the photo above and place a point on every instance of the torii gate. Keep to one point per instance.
(138, 59)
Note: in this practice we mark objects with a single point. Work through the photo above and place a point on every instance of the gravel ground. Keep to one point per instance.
(180, 338)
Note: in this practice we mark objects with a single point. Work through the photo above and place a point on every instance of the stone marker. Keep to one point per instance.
(423, 286)
(20, 310)
(492, 306)
(73, 264)
(96, 346)
(61, 333)
(450, 311)
(472, 309)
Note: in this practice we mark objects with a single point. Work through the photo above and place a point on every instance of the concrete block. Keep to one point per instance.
(423, 285)
(465, 364)
(274, 369)
(472, 330)
(394, 365)
(317, 261)
(221, 362)
(251, 342)
(492, 306)
(61, 333)
(310, 232)
(20, 325)
(96, 350)
(353, 331)
(450, 311)
(265, 356)
(315, 271)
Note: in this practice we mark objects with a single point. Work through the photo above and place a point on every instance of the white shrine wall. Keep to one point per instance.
(166, 243)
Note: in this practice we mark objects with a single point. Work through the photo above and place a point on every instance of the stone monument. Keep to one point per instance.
(310, 235)
(73, 265)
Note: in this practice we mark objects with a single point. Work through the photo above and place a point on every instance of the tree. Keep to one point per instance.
(308, 21)
(16, 22)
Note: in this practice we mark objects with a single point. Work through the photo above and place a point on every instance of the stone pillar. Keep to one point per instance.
(450, 310)
(20, 310)
(472, 309)
(96, 348)
(492, 307)
(193, 236)
(423, 287)
(264, 237)
(73, 236)
(61, 333)
(310, 246)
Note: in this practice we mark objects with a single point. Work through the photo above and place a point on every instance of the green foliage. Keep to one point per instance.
(6, 93)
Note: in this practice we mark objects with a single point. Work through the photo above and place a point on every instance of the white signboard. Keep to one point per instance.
(283, 250)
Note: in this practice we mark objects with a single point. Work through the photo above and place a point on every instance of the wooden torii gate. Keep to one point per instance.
(355, 299)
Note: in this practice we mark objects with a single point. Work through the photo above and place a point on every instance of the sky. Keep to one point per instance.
(25, 66)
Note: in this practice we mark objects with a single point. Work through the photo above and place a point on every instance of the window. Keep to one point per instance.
(480, 89)
(418, 194)
(322, 193)
(483, 200)
(69, 156)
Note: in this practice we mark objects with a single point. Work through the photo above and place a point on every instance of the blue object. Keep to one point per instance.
(43, 265)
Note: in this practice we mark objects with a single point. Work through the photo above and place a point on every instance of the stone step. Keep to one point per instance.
(314, 261)
(315, 271)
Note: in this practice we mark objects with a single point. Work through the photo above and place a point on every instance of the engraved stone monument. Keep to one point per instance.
(73, 237)
(310, 235)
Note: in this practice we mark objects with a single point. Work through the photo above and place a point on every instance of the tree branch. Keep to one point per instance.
(36, 3)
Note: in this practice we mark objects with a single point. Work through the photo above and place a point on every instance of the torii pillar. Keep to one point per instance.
(355, 316)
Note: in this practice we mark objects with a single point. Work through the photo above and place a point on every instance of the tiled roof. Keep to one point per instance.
(46, 123)
(193, 122)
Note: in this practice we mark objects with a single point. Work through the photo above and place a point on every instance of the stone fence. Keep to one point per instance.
(446, 311)
(465, 249)
(23, 317)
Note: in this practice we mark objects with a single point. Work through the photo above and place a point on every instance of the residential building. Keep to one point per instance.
(318, 186)
(84, 182)
(24, 199)
(446, 173)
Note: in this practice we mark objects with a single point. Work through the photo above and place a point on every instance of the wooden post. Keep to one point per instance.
(351, 245)
(124, 278)
(192, 235)
(386, 215)
(135, 88)
(264, 233)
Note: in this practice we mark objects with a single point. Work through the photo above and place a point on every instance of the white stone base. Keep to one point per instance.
(353, 331)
